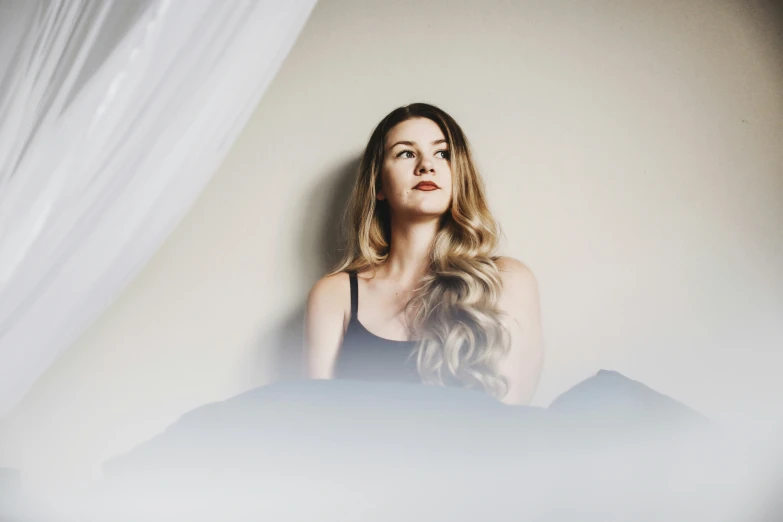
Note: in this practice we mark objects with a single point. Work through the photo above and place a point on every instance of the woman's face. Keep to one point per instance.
(416, 172)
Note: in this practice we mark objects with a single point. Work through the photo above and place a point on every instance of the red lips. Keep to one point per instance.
(426, 185)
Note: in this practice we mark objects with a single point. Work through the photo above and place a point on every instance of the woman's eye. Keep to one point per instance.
(445, 154)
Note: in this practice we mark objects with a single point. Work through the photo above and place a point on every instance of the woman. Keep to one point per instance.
(437, 305)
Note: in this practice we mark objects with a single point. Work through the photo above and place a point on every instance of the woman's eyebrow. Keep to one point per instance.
(412, 143)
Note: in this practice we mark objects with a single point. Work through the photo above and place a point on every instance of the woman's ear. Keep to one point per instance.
(379, 196)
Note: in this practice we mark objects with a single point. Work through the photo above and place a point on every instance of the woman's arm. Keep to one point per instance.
(325, 314)
(520, 301)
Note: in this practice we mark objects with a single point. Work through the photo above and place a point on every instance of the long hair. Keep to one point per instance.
(455, 319)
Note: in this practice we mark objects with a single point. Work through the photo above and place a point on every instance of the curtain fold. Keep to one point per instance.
(113, 116)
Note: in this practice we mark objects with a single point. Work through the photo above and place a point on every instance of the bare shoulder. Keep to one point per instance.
(328, 306)
(519, 301)
(515, 274)
(520, 288)
(510, 264)
(330, 292)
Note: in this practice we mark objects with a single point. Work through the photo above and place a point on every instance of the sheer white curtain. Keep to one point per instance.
(113, 116)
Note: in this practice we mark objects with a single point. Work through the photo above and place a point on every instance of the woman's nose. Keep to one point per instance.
(425, 166)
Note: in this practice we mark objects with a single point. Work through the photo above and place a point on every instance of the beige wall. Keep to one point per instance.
(632, 152)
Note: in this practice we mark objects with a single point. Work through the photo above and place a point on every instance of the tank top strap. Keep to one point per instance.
(354, 295)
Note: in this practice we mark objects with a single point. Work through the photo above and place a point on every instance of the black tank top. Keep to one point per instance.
(365, 356)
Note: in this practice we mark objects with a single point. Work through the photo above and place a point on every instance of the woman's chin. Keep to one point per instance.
(424, 210)
(430, 213)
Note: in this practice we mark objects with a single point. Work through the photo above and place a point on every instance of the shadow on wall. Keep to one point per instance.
(321, 246)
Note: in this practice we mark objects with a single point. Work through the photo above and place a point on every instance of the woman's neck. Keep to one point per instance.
(409, 255)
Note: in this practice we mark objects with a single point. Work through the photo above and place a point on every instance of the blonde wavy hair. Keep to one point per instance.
(455, 317)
